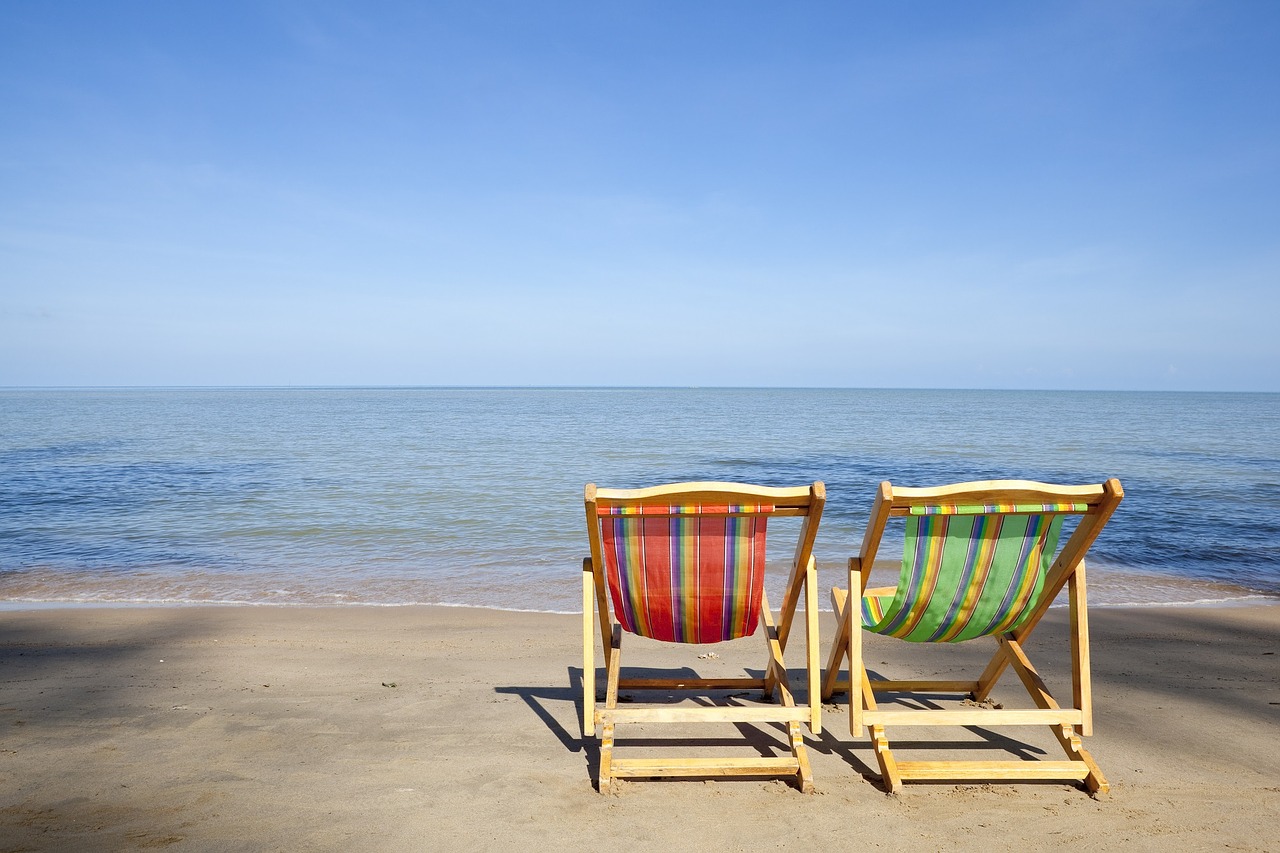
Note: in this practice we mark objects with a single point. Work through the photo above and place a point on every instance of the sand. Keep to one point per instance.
(363, 728)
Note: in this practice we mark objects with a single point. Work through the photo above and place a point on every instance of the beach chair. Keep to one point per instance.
(978, 561)
(685, 563)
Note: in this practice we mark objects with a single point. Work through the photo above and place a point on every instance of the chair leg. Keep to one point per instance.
(889, 774)
(1081, 682)
(610, 704)
(775, 671)
(804, 773)
(848, 640)
(1068, 738)
(588, 652)
(606, 758)
(812, 669)
(776, 667)
(1094, 782)
(839, 646)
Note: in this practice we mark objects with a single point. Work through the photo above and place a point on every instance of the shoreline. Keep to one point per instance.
(513, 591)
(377, 728)
(18, 605)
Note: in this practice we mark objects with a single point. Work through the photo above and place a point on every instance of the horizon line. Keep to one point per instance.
(566, 387)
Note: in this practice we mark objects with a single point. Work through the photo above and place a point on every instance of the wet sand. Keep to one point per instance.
(368, 728)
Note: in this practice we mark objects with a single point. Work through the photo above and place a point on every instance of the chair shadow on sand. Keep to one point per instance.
(767, 739)
(543, 699)
(859, 754)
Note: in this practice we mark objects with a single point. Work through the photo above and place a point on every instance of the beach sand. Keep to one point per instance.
(368, 728)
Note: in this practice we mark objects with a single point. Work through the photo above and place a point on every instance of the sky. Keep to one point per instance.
(1054, 195)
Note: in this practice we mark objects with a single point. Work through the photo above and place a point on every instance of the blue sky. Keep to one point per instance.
(927, 194)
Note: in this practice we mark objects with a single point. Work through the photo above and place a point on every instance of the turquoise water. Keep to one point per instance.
(474, 496)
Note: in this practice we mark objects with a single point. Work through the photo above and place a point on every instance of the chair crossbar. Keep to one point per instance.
(972, 717)
(689, 683)
(988, 770)
(675, 767)
(887, 686)
(703, 714)
(841, 685)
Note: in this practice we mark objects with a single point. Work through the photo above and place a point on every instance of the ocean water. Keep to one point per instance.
(474, 496)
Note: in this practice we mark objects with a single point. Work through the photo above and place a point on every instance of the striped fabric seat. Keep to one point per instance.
(685, 574)
(966, 573)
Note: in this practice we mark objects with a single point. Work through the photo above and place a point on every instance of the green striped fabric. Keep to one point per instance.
(967, 575)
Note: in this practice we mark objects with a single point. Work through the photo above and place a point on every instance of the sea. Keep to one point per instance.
(473, 496)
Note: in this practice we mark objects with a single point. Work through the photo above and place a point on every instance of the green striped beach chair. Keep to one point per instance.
(979, 560)
(685, 563)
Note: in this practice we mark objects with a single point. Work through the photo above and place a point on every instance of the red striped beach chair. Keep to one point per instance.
(685, 563)
(978, 561)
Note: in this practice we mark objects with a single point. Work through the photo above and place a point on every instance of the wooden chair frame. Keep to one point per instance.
(1068, 569)
(806, 502)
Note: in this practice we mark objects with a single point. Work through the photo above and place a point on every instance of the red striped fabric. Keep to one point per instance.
(680, 577)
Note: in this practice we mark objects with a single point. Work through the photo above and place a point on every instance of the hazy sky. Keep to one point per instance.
(922, 194)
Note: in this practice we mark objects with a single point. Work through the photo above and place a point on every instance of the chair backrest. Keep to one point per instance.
(980, 558)
(685, 563)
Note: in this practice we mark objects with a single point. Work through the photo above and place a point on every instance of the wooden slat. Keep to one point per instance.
(1081, 680)
(775, 672)
(1094, 781)
(991, 675)
(884, 757)
(839, 646)
(602, 610)
(707, 492)
(1012, 491)
(606, 758)
(862, 697)
(1031, 680)
(994, 770)
(614, 668)
(972, 717)
(840, 685)
(890, 686)
(703, 714)
(1069, 560)
(800, 563)
(689, 683)
(597, 566)
(813, 668)
(633, 767)
(872, 535)
(775, 669)
(588, 652)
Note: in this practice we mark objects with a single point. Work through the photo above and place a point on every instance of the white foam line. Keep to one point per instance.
(12, 604)
(54, 603)
(1255, 598)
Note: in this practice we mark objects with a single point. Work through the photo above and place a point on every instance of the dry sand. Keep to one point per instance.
(269, 728)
